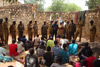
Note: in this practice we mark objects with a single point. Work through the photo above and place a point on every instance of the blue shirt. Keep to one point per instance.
(65, 56)
(56, 50)
(55, 27)
(73, 49)
(23, 40)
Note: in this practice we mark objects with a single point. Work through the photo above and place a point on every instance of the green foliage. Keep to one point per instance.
(72, 7)
(39, 2)
(92, 4)
(61, 6)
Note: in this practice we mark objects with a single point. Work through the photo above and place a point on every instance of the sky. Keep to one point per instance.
(80, 3)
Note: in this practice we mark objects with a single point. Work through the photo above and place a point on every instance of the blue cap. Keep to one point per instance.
(61, 21)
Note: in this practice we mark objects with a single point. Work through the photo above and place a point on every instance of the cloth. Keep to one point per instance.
(56, 50)
(36, 40)
(5, 58)
(73, 49)
(83, 51)
(63, 41)
(2, 51)
(82, 15)
(65, 56)
(23, 40)
(40, 52)
(19, 46)
(90, 61)
(13, 49)
(58, 40)
(57, 65)
(77, 64)
(42, 41)
(76, 17)
(48, 57)
(61, 31)
(50, 43)
(55, 27)
(27, 46)
(31, 61)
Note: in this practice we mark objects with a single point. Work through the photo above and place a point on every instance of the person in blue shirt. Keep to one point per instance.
(65, 54)
(23, 39)
(55, 29)
(73, 48)
(56, 48)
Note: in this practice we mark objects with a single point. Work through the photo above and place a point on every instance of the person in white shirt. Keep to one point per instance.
(2, 51)
(63, 41)
(20, 47)
(36, 40)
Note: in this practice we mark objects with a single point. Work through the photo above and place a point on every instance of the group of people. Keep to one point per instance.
(55, 52)
(52, 53)
(67, 29)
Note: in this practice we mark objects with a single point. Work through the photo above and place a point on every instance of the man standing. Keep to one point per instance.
(30, 30)
(79, 30)
(20, 29)
(67, 30)
(61, 29)
(35, 29)
(6, 32)
(1, 30)
(50, 28)
(72, 29)
(44, 30)
(55, 29)
(92, 31)
(13, 30)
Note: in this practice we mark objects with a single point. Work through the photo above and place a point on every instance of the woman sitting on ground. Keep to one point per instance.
(65, 54)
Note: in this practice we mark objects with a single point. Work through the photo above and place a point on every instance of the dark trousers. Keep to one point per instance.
(71, 35)
(54, 33)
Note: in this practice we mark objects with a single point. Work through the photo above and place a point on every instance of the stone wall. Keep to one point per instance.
(18, 13)
(90, 15)
(27, 12)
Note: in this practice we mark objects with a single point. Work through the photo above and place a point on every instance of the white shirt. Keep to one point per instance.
(40, 52)
(63, 41)
(37, 39)
(2, 51)
(19, 46)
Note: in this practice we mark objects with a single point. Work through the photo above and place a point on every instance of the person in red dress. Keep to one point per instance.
(90, 59)
(13, 49)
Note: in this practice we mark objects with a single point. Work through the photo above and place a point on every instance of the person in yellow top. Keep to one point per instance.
(79, 30)
(13, 30)
(30, 30)
(6, 31)
(92, 31)
(67, 30)
(1, 31)
(35, 29)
